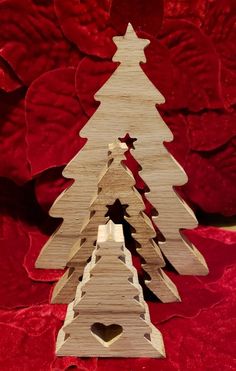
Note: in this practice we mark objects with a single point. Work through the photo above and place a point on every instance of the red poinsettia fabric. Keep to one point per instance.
(54, 55)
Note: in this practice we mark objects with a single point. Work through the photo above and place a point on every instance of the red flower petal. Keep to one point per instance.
(54, 117)
(192, 10)
(216, 19)
(212, 180)
(13, 151)
(196, 67)
(219, 25)
(8, 81)
(85, 23)
(92, 24)
(210, 130)
(90, 76)
(30, 39)
(144, 15)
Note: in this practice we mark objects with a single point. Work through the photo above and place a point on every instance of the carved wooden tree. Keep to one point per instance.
(117, 183)
(113, 319)
(128, 102)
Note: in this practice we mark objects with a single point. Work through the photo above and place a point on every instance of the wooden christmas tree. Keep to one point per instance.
(113, 319)
(128, 102)
(117, 183)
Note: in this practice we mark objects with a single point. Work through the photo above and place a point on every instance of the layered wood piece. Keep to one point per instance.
(65, 288)
(117, 182)
(173, 213)
(128, 105)
(109, 317)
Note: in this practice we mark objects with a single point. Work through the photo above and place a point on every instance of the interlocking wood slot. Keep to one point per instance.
(128, 102)
(113, 319)
(117, 182)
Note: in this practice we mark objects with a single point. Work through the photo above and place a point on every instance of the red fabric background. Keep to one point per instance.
(54, 55)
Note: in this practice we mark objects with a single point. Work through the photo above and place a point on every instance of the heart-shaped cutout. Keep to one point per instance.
(107, 335)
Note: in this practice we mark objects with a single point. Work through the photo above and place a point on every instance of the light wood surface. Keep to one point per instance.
(128, 102)
(116, 182)
(113, 319)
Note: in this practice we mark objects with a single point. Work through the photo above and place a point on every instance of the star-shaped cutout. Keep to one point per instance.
(128, 140)
(117, 211)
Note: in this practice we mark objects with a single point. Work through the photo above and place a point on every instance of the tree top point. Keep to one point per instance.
(110, 231)
(118, 145)
(117, 150)
(131, 44)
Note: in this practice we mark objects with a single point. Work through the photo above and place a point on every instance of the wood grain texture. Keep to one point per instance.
(116, 182)
(113, 319)
(128, 102)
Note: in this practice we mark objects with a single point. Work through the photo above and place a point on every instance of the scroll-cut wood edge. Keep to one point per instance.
(118, 173)
(139, 338)
(134, 112)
